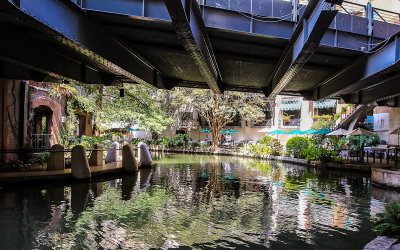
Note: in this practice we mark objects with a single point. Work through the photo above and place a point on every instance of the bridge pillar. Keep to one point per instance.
(112, 155)
(129, 163)
(57, 159)
(96, 158)
(144, 154)
(79, 163)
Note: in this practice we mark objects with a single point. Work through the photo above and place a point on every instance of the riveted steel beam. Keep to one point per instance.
(376, 66)
(67, 24)
(305, 40)
(389, 88)
(190, 29)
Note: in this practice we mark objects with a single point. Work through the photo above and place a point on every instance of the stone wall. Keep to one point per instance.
(385, 177)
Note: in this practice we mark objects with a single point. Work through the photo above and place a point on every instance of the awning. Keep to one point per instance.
(291, 105)
(324, 104)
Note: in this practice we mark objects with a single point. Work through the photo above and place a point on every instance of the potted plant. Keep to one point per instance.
(286, 117)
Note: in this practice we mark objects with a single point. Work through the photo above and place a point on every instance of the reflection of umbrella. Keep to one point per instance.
(360, 131)
(396, 131)
(277, 132)
(339, 132)
(231, 131)
(295, 132)
(322, 132)
(207, 130)
(310, 131)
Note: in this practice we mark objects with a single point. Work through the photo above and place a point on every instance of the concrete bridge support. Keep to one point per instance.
(129, 162)
(144, 154)
(112, 155)
(79, 163)
(57, 159)
(96, 158)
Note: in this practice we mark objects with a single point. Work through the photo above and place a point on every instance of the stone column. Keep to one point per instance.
(79, 163)
(129, 163)
(57, 159)
(112, 155)
(96, 158)
(144, 154)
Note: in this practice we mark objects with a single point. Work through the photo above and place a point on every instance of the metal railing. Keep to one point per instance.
(377, 14)
(41, 141)
(289, 122)
(262, 123)
(188, 124)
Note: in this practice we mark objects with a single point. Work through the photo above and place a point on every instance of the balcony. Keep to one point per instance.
(188, 124)
(289, 123)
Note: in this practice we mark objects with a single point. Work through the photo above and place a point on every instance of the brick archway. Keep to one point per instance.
(55, 107)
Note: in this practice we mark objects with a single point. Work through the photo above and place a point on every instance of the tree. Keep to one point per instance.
(219, 109)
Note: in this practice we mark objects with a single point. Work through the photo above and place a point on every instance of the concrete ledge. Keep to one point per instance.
(381, 243)
(386, 177)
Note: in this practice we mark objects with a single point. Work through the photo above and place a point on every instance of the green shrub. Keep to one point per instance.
(314, 153)
(180, 140)
(296, 145)
(272, 143)
(259, 150)
(388, 222)
(194, 145)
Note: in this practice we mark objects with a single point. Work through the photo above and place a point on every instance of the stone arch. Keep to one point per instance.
(52, 109)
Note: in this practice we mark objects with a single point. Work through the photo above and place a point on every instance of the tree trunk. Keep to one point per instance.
(215, 134)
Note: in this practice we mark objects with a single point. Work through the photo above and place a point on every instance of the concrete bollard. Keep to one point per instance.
(57, 159)
(129, 163)
(144, 154)
(79, 163)
(112, 155)
(96, 158)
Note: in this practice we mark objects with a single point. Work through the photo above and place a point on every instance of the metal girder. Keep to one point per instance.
(190, 29)
(387, 89)
(69, 25)
(305, 40)
(369, 69)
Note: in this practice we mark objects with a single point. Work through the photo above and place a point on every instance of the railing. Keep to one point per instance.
(41, 141)
(387, 156)
(262, 123)
(188, 124)
(289, 122)
(377, 14)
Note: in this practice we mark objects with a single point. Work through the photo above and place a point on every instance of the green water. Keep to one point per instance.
(196, 201)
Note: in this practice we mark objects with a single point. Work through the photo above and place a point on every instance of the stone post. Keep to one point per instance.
(129, 163)
(79, 163)
(144, 154)
(57, 159)
(96, 158)
(112, 155)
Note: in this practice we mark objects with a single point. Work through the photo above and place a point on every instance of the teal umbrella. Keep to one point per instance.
(322, 132)
(207, 130)
(295, 132)
(277, 132)
(131, 129)
(231, 131)
(310, 131)
(223, 131)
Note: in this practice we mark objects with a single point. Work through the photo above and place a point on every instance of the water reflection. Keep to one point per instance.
(197, 201)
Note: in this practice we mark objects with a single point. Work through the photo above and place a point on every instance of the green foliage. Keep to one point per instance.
(272, 143)
(354, 142)
(388, 222)
(312, 153)
(194, 145)
(180, 140)
(135, 141)
(296, 145)
(260, 150)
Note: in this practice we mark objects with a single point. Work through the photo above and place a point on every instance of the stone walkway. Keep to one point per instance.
(9, 177)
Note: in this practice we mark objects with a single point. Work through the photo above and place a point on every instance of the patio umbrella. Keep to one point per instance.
(396, 131)
(263, 130)
(295, 132)
(310, 131)
(360, 131)
(223, 131)
(277, 132)
(231, 131)
(207, 130)
(323, 131)
(339, 132)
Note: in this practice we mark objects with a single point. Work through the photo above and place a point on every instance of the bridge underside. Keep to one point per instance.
(319, 54)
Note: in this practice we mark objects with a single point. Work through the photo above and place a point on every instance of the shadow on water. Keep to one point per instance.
(197, 201)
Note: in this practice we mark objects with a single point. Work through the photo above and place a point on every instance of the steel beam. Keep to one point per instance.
(369, 69)
(69, 25)
(305, 40)
(386, 89)
(190, 29)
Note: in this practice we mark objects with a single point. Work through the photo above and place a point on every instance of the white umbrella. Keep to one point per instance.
(395, 131)
(264, 130)
(360, 131)
(339, 132)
